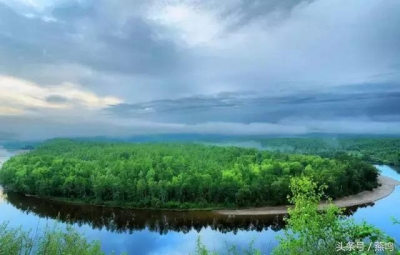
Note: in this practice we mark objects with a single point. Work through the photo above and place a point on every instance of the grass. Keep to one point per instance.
(50, 241)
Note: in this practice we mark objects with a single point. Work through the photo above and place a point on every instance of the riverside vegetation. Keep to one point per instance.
(309, 231)
(51, 241)
(314, 231)
(176, 175)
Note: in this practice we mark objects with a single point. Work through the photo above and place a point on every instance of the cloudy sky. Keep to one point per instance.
(125, 67)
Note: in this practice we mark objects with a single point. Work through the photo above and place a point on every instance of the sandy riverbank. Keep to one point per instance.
(388, 185)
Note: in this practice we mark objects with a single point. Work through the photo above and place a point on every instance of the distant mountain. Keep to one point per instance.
(343, 135)
(211, 138)
(160, 138)
(19, 145)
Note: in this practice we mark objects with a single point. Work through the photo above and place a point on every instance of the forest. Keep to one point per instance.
(176, 175)
(374, 150)
(380, 150)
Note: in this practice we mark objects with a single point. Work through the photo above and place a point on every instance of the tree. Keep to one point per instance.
(315, 231)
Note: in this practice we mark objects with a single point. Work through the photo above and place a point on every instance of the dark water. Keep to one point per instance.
(165, 232)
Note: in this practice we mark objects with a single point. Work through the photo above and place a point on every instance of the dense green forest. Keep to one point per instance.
(175, 175)
(376, 150)
(384, 151)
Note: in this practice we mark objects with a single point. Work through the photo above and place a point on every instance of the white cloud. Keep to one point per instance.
(7, 110)
(44, 18)
(18, 96)
(190, 22)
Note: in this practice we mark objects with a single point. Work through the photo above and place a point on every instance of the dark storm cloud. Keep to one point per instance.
(136, 51)
(321, 105)
(249, 10)
(122, 45)
(30, 40)
(84, 36)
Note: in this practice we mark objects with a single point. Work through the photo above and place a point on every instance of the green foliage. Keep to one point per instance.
(311, 230)
(372, 150)
(175, 175)
(201, 249)
(15, 241)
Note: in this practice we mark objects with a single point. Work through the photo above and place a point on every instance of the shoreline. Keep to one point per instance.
(81, 203)
(388, 185)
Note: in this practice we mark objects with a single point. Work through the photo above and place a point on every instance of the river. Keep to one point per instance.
(165, 232)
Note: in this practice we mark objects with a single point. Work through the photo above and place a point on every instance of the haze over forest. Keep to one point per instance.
(241, 67)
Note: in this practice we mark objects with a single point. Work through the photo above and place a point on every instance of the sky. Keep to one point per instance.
(237, 67)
